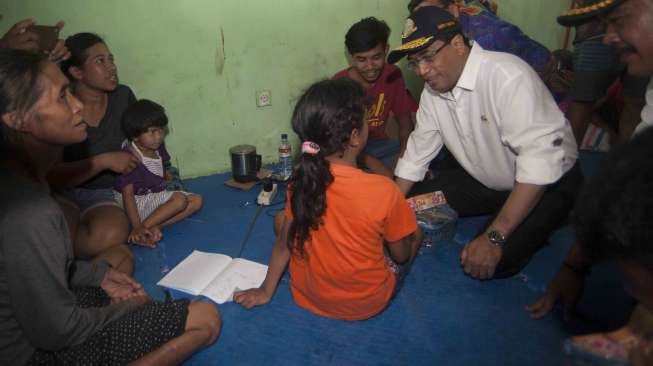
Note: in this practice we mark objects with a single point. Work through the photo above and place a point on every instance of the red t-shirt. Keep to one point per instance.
(389, 94)
(344, 274)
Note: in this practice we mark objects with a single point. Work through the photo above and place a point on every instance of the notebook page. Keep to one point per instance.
(240, 274)
(195, 272)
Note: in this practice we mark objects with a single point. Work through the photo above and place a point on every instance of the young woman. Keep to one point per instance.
(339, 219)
(54, 309)
(91, 166)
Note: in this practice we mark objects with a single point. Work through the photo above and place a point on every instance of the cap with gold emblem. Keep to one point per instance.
(422, 28)
(585, 13)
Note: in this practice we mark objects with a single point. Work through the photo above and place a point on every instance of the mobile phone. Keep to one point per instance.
(47, 36)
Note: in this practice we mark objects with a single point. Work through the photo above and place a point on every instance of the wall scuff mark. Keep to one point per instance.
(220, 56)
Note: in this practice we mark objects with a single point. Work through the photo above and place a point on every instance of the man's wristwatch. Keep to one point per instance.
(496, 237)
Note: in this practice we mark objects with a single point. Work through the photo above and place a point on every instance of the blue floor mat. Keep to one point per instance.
(440, 316)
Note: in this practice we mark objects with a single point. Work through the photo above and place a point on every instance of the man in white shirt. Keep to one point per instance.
(515, 148)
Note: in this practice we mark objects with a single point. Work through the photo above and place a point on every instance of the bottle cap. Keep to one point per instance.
(267, 185)
(284, 135)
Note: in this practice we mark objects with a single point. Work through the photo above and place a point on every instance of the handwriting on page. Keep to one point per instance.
(238, 275)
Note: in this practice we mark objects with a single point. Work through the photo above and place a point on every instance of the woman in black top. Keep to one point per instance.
(91, 166)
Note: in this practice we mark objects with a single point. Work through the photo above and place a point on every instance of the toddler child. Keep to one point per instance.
(142, 191)
(339, 220)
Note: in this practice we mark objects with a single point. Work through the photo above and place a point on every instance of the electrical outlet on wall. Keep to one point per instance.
(263, 98)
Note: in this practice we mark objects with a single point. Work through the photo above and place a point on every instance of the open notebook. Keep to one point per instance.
(216, 276)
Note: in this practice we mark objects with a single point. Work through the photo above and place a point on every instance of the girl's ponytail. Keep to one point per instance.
(324, 118)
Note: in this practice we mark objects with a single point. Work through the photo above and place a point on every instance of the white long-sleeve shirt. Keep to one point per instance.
(500, 123)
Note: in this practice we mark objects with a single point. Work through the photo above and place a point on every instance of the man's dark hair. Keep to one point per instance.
(414, 3)
(612, 217)
(142, 115)
(366, 34)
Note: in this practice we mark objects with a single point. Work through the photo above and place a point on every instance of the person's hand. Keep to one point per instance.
(566, 288)
(141, 300)
(146, 237)
(157, 235)
(167, 176)
(19, 38)
(59, 52)
(480, 257)
(120, 162)
(252, 297)
(121, 287)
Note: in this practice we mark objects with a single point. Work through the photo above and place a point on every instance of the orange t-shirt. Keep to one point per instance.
(344, 274)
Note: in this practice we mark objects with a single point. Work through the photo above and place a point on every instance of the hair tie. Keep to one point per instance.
(310, 148)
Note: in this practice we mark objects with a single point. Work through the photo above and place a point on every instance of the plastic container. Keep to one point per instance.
(434, 216)
(438, 224)
(285, 158)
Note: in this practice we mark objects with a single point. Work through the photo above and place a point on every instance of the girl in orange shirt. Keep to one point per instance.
(339, 219)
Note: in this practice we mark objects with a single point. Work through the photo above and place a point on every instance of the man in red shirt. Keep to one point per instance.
(367, 44)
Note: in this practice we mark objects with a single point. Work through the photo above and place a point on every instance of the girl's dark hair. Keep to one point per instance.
(19, 86)
(325, 114)
(77, 44)
(612, 216)
(140, 116)
(366, 34)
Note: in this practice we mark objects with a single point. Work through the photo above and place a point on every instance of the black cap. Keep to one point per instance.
(422, 29)
(586, 13)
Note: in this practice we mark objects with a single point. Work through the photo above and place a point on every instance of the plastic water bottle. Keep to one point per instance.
(285, 157)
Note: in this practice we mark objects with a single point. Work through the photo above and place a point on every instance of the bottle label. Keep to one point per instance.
(284, 152)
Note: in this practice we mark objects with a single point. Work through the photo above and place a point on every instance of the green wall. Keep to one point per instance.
(204, 60)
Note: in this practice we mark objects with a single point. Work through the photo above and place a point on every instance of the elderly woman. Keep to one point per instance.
(55, 309)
